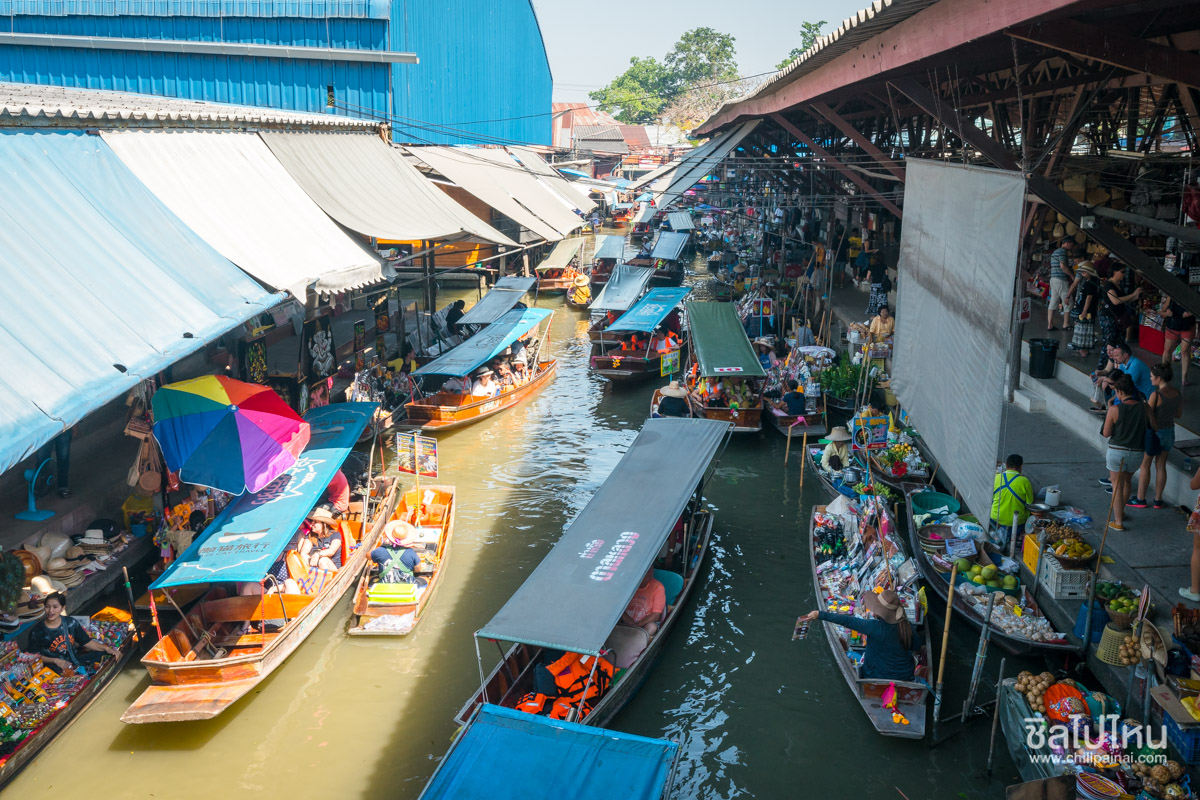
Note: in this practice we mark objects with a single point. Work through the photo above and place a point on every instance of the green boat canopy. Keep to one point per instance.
(561, 255)
(719, 342)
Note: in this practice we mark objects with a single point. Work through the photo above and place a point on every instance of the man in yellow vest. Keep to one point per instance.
(1011, 495)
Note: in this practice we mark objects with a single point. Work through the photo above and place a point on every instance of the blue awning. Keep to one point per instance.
(103, 286)
(505, 754)
(652, 309)
(485, 345)
(670, 245)
(575, 172)
(498, 301)
(252, 532)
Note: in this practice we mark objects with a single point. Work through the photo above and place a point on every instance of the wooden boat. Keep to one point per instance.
(913, 481)
(183, 597)
(829, 481)
(440, 530)
(973, 613)
(667, 257)
(623, 365)
(557, 273)
(60, 720)
(871, 542)
(580, 615)
(443, 410)
(610, 251)
(643, 318)
(573, 296)
(720, 352)
(207, 662)
(1014, 709)
(795, 426)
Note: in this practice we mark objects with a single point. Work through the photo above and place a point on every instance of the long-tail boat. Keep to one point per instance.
(228, 642)
(624, 287)
(853, 553)
(574, 600)
(667, 257)
(431, 511)
(437, 408)
(722, 352)
(499, 300)
(610, 251)
(556, 274)
(612, 357)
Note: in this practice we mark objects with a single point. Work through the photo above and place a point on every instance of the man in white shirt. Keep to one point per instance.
(484, 386)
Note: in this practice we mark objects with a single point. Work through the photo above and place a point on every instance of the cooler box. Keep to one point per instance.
(392, 593)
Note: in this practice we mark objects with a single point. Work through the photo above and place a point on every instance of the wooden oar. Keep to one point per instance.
(129, 597)
(937, 694)
(1091, 599)
(996, 716)
(803, 459)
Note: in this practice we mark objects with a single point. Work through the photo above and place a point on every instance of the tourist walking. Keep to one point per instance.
(1062, 278)
(1165, 405)
(1125, 427)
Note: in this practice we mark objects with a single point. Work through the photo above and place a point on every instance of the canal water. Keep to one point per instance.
(756, 714)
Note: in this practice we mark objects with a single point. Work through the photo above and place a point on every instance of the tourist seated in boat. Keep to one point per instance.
(648, 605)
(338, 492)
(62, 642)
(321, 546)
(836, 456)
(766, 353)
(712, 393)
(484, 386)
(883, 324)
(891, 640)
(674, 401)
(610, 317)
(397, 564)
(739, 393)
(634, 343)
(454, 315)
(792, 403)
(503, 373)
(664, 341)
(457, 385)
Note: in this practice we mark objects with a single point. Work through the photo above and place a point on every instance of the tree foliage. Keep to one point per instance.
(702, 55)
(809, 33)
(638, 94)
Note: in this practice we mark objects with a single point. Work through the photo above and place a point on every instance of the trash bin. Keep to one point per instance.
(1042, 356)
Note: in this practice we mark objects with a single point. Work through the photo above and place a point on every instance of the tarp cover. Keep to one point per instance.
(505, 754)
(703, 160)
(249, 535)
(650, 310)
(680, 221)
(496, 179)
(666, 170)
(230, 189)
(644, 214)
(669, 245)
(625, 285)
(610, 246)
(552, 180)
(575, 597)
(561, 255)
(719, 342)
(96, 272)
(498, 301)
(485, 345)
(368, 186)
(955, 318)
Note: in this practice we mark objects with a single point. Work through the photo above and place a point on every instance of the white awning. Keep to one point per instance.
(551, 179)
(561, 255)
(666, 170)
(368, 186)
(496, 179)
(235, 194)
(701, 161)
(680, 221)
(645, 213)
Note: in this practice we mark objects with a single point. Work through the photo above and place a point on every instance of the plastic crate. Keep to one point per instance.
(1186, 741)
(1063, 584)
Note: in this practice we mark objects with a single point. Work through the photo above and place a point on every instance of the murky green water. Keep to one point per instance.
(757, 715)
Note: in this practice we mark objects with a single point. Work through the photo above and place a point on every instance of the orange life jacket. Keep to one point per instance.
(571, 674)
(553, 707)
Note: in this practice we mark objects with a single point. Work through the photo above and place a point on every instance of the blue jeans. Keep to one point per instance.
(60, 446)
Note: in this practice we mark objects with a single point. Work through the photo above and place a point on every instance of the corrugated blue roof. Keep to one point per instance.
(320, 9)
(103, 286)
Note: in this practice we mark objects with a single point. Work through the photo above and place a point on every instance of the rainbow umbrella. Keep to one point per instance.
(220, 432)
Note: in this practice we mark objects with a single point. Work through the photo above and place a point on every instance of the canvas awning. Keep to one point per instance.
(701, 161)
(496, 179)
(368, 186)
(575, 597)
(251, 533)
(498, 301)
(230, 189)
(485, 345)
(625, 285)
(680, 221)
(103, 286)
(541, 757)
(610, 246)
(551, 179)
(652, 309)
(561, 255)
(719, 342)
(669, 245)
(665, 171)
(644, 214)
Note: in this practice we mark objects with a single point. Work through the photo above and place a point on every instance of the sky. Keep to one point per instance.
(589, 44)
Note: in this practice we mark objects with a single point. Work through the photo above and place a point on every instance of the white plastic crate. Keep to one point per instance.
(1063, 584)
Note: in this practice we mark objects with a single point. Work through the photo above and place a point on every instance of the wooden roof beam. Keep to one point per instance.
(858, 138)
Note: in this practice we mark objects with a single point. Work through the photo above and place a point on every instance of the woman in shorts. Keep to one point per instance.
(1179, 328)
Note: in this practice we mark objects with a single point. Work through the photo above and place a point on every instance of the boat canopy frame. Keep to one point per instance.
(489, 343)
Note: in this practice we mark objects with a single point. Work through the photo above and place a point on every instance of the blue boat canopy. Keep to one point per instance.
(251, 533)
(669, 245)
(651, 310)
(505, 754)
(485, 345)
(103, 286)
(625, 285)
(499, 301)
(610, 246)
(575, 597)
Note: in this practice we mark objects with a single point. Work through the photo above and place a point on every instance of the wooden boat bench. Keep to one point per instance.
(253, 608)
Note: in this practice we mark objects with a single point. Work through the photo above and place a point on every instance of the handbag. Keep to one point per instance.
(1150, 443)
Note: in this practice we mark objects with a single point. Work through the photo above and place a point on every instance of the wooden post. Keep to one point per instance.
(937, 694)
(803, 457)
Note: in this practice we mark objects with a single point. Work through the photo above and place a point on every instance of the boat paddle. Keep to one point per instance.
(1091, 598)
(129, 597)
(937, 694)
(995, 716)
(980, 656)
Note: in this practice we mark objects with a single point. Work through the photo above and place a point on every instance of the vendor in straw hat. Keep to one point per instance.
(674, 401)
(766, 353)
(891, 640)
(581, 292)
(837, 452)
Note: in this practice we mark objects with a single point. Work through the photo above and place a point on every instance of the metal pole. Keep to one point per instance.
(995, 717)
(980, 657)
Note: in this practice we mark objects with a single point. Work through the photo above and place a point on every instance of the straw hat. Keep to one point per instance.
(582, 280)
(673, 389)
(740, 268)
(43, 585)
(75, 554)
(322, 514)
(886, 605)
(57, 542)
(479, 373)
(762, 341)
(1086, 268)
(93, 536)
(839, 434)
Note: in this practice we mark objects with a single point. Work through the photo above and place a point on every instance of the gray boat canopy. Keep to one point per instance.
(496, 303)
(610, 246)
(669, 245)
(625, 285)
(575, 597)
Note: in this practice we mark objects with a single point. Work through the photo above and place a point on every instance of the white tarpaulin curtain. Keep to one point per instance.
(367, 186)
(957, 273)
(231, 190)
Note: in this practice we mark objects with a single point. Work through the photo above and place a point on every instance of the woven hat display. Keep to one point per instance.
(33, 567)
